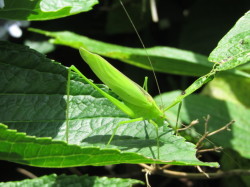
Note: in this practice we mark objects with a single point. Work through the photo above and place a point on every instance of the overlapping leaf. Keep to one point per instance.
(34, 100)
(43, 9)
(234, 48)
(72, 180)
(164, 59)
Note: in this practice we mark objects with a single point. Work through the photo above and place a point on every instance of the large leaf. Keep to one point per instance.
(72, 180)
(221, 112)
(164, 59)
(34, 100)
(43, 9)
(234, 48)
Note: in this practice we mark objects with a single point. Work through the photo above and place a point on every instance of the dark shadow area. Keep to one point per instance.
(202, 30)
(121, 141)
(125, 143)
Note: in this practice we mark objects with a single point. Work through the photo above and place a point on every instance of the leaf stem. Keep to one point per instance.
(180, 174)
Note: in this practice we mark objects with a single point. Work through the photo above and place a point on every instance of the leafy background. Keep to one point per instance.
(183, 24)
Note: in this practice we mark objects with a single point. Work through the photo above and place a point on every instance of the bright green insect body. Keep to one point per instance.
(137, 103)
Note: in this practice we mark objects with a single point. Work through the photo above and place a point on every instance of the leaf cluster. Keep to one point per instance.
(43, 125)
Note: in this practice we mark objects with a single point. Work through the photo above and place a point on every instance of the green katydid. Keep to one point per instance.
(137, 103)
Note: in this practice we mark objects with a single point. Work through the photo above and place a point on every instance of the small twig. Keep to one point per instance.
(26, 173)
(154, 167)
(204, 136)
(201, 171)
(202, 175)
(219, 174)
(148, 171)
(215, 149)
(145, 166)
(222, 128)
(194, 122)
(165, 167)
(146, 177)
(207, 134)
(206, 122)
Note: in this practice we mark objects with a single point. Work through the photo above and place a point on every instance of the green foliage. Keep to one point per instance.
(72, 180)
(166, 59)
(234, 48)
(41, 107)
(44, 152)
(49, 119)
(43, 9)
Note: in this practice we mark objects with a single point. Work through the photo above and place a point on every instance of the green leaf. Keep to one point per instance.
(234, 48)
(221, 113)
(34, 100)
(72, 180)
(164, 59)
(44, 9)
(229, 88)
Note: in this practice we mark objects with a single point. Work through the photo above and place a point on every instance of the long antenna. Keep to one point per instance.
(142, 43)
